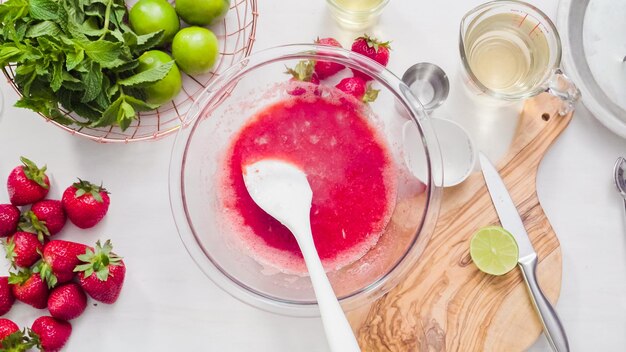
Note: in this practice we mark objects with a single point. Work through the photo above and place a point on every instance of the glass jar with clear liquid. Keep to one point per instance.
(512, 51)
(356, 14)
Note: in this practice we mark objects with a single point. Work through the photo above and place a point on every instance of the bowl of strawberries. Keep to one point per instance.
(345, 120)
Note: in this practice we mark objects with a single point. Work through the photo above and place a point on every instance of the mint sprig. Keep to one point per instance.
(80, 55)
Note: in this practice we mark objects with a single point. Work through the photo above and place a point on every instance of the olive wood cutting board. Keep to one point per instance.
(446, 303)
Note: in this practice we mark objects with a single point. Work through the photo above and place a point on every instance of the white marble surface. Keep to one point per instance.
(168, 304)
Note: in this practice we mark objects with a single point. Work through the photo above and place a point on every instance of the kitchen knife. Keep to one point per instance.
(511, 221)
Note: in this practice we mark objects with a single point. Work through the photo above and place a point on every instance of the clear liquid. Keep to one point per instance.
(508, 53)
(356, 14)
(358, 5)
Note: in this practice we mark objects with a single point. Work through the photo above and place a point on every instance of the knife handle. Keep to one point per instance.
(552, 326)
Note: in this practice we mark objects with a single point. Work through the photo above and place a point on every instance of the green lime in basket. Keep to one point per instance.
(494, 250)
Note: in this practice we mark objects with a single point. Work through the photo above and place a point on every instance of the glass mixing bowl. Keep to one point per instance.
(210, 126)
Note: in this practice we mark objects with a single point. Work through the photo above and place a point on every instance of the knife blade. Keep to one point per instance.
(512, 222)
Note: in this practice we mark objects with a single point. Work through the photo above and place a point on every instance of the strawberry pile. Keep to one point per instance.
(49, 273)
(356, 85)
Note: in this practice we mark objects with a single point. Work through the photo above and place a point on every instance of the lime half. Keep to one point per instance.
(494, 250)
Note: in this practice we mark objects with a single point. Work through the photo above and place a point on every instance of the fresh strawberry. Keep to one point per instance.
(9, 218)
(85, 203)
(51, 213)
(7, 327)
(372, 48)
(29, 288)
(67, 302)
(23, 249)
(357, 87)
(52, 333)
(325, 69)
(60, 258)
(27, 184)
(102, 275)
(6, 295)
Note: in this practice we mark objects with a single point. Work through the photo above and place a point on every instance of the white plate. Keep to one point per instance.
(593, 33)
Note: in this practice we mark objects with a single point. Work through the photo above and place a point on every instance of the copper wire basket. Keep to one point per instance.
(236, 36)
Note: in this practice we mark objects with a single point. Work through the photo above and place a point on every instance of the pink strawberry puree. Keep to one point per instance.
(350, 170)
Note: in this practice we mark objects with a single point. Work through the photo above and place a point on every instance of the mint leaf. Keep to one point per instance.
(149, 76)
(148, 41)
(12, 10)
(129, 38)
(130, 65)
(83, 30)
(103, 52)
(43, 28)
(73, 59)
(140, 105)
(67, 57)
(57, 76)
(9, 53)
(126, 115)
(109, 116)
(43, 9)
(93, 83)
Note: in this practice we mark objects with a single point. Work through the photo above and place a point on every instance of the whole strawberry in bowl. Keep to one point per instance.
(325, 69)
(85, 203)
(27, 183)
(373, 49)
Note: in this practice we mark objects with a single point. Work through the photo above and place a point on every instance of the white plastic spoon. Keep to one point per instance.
(282, 190)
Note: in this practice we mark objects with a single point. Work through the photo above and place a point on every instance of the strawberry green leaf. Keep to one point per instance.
(20, 277)
(34, 173)
(303, 71)
(9, 248)
(370, 94)
(29, 222)
(45, 272)
(19, 341)
(98, 261)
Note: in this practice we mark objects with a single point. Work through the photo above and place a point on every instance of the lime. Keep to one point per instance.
(202, 12)
(167, 88)
(195, 50)
(148, 16)
(494, 250)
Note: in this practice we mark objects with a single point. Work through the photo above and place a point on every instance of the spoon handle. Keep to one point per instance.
(338, 331)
